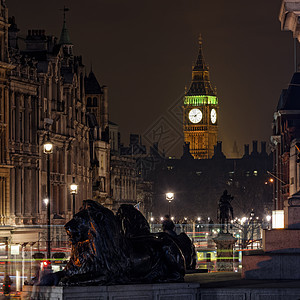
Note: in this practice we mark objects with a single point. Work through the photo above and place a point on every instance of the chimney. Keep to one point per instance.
(254, 147)
(36, 40)
(246, 147)
(219, 147)
(263, 147)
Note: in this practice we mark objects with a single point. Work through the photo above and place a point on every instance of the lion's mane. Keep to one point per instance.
(98, 251)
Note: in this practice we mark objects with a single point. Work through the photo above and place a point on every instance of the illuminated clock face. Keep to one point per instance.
(195, 115)
(213, 116)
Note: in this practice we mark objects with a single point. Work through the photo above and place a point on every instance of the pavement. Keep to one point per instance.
(234, 280)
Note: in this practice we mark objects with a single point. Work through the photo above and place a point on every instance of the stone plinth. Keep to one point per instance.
(164, 291)
(225, 243)
(280, 258)
(292, 212)
(280, 239)
(271, 265)
(231, 290)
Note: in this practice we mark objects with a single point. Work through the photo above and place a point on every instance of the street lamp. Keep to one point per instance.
(48, 149)
(46, 201)
(252, 227)
(169, 198)
(74, 189)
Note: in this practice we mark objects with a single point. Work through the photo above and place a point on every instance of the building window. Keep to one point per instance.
(95, 101)
(69, 164)
(21, 127)
(45, 104)
(89, 101)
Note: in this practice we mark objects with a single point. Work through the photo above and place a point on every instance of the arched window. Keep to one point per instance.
(95, 101)
(89, 101)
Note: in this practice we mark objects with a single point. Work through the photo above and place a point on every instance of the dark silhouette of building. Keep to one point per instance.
(198, 183)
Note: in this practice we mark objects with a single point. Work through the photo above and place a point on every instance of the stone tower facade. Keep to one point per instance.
(97, 114)
(200, 111)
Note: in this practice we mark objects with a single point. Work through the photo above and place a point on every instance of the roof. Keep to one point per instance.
(112, 123)
(92, 85)
(200, 63)
(200, 83)
(64, 36)
(200, 89)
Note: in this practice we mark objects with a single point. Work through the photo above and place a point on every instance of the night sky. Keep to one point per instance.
(144, 50)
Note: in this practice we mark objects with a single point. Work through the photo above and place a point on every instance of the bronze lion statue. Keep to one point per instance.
(117, 249)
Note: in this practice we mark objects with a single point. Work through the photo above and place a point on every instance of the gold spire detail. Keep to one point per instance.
(200, 39)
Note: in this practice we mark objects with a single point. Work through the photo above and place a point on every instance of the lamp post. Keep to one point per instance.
(74, 189)
(169, 198)
(252, 227)
(48, 149)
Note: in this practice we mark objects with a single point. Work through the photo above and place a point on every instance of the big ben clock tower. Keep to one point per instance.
(200, 111)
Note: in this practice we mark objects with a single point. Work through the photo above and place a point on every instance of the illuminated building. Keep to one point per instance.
(200, 111)
(5, 165)
(289, 17)
(285, 138)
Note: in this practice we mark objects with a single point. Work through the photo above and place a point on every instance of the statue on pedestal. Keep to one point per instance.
(225, 241)
(225, 210)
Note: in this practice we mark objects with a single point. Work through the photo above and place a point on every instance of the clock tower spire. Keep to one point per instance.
(200, 111)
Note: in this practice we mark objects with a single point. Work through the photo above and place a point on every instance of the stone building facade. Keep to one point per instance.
(45, 95)
(47, 101)
(97, 114)
(5, 165)
(286, 143)
(48, 97)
